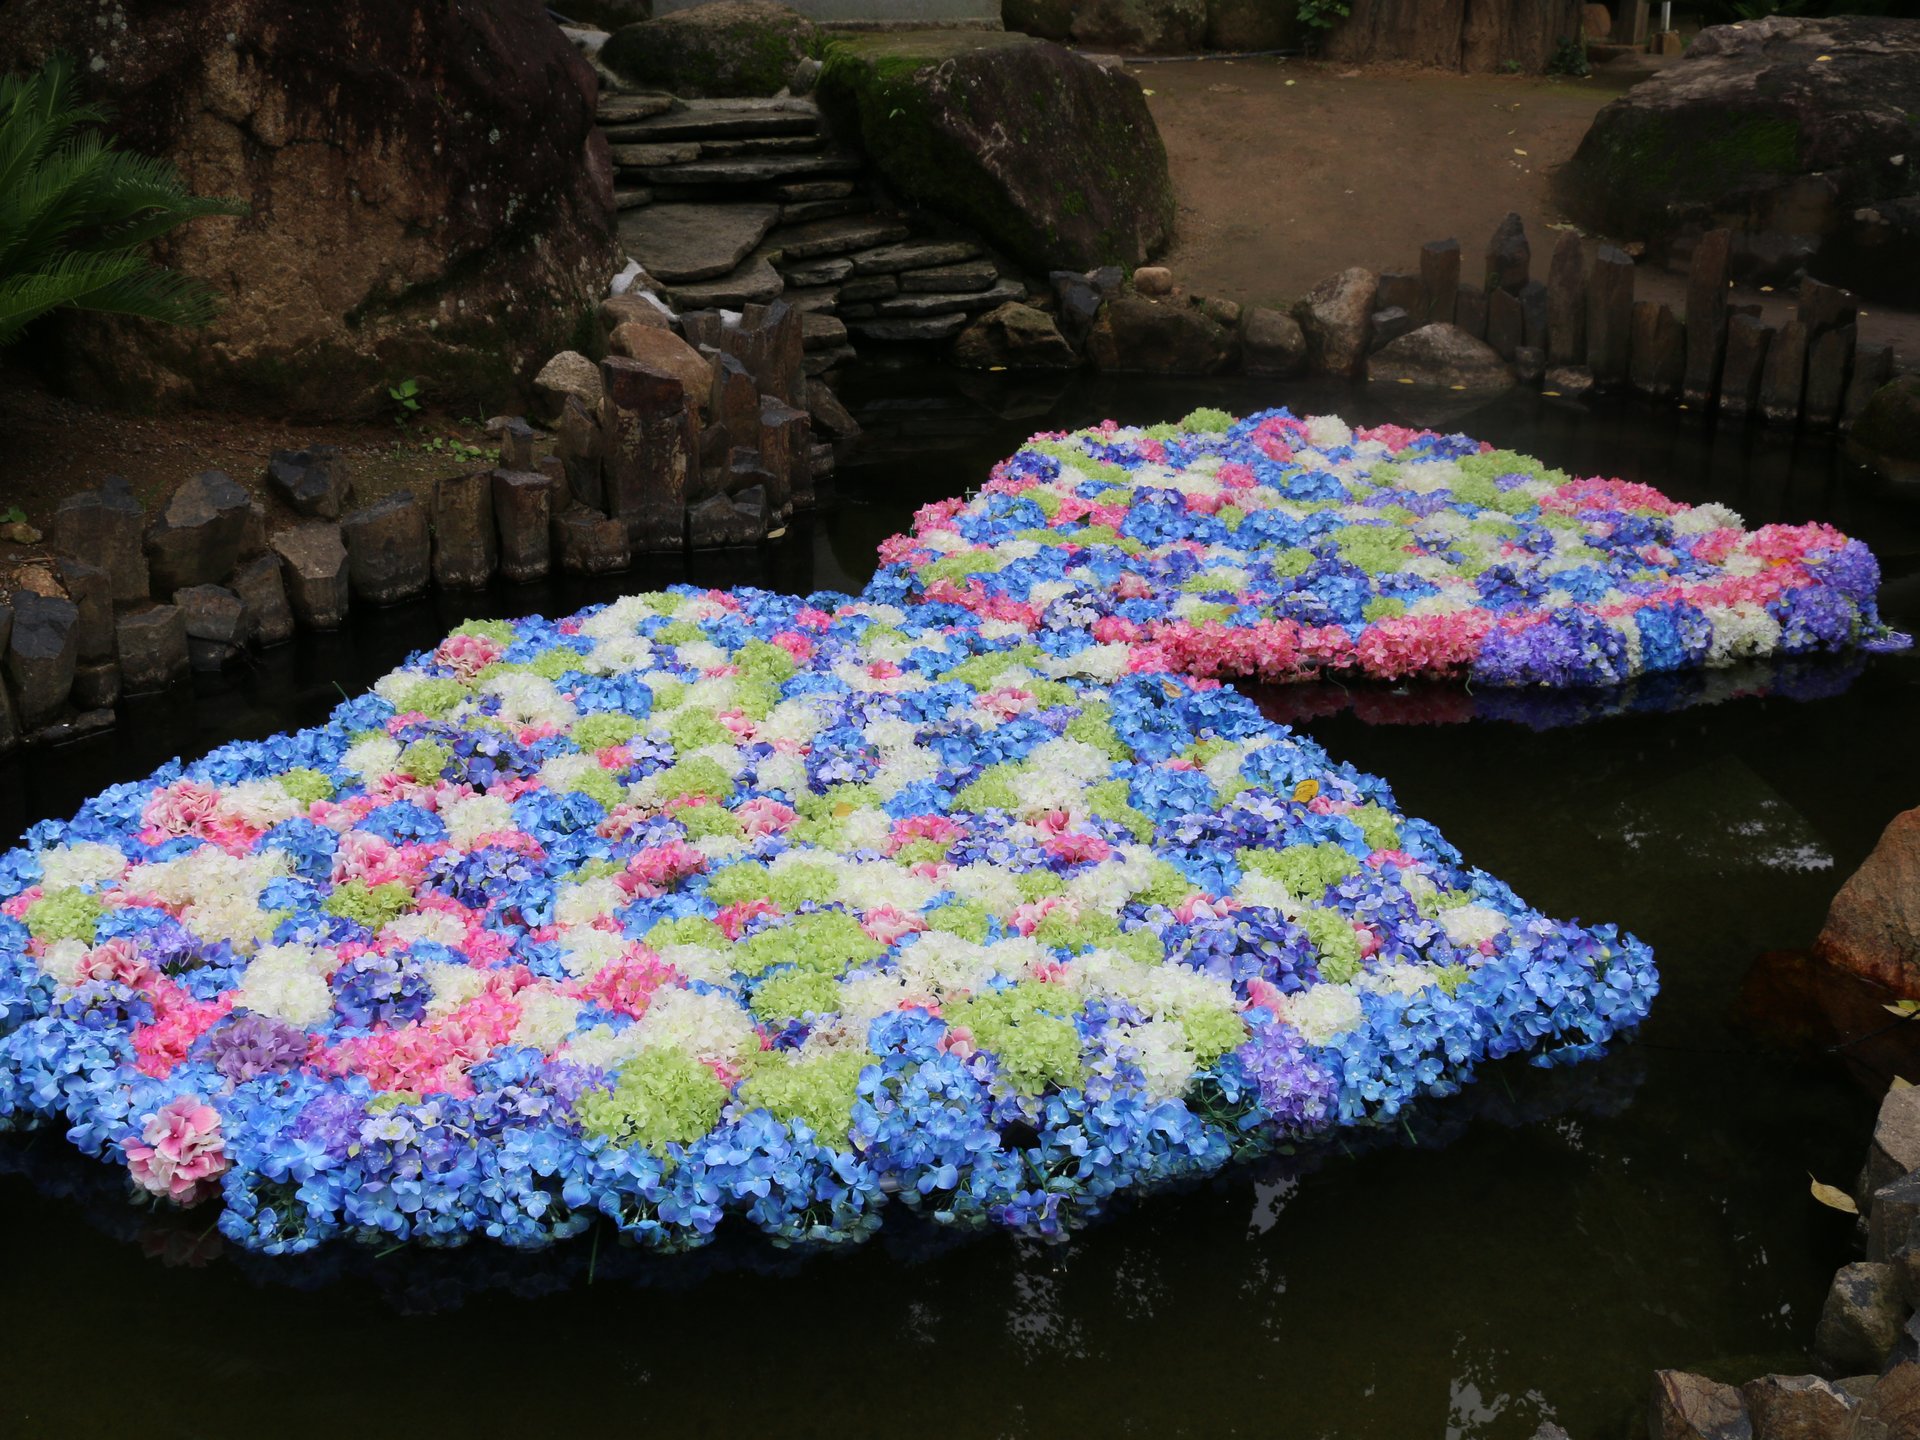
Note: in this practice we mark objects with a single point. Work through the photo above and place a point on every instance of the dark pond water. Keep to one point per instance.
(1532, 1250)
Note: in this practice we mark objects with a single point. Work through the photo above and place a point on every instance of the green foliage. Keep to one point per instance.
(406, 400)
(1570, 58)
(77, 214)
(1323, 14)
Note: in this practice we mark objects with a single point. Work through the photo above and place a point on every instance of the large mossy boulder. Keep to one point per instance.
(728, 48)
(1788, 132)
(429, 196)
(1050, 157)
(1486, 35)
(1888, 429)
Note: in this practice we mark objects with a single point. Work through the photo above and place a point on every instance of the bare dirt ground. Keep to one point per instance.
(1288, 171)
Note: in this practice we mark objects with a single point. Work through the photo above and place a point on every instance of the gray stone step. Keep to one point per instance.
(798, 212)
(626, 109)
(734, 119)
(803, 190)
(913, 255)
(683, 244)
(937, 304)
(631, 197)
(820, 332)
(753, 282)
(635, 156)
(908, 328)
(829, 271)
(761, 145)
(949, 279)
(869, 288)
(811, 299)
(838, 236)
(819, 362)
(752, 169)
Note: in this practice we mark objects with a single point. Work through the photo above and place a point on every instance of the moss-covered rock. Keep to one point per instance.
(1778, 129)
(1050, 157)
(730, 47)
(1889, 426)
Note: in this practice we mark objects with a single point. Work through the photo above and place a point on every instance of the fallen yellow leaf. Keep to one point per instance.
(1900, 1084)
(1306, 790)
(1833, 1197)
(1518, 151)
(1819, 58)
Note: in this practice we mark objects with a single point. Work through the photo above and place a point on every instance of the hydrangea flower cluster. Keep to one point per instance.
(704, 904)
(1280, 548)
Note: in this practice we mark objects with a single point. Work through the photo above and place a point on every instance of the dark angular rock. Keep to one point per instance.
(96, 685)
(1568, 381)
(1748, 341)
(1707, 315)
(1783, 379)
(313, 563)
(258, 584)
(217, 625)
(1439, 280)
(1692, 1407)
(1271, 344)
(152, 645)
(869, 288)
(907, 329)
(1610, 315)
(389, 549)
(585, 542)
(1895, 1151)
(786, 443)
(1860, 1321)
(739, 47)
(1163, 337)
(41, 655)
(653, 442)
(523, 512)
(1798, 1407)
(1872, 368)
(582, 450)
(733, 402)
(1386, 326)
(1891, 1213)
(1659, 354)
(517, 437)
(465, 550)
(1827, 362)
(1470, 310)
(253, 534)
(1567, 302)
(1506, 322)
(196, 538)
(932, 110)
(829, 416)
(1533, 312)
(1014, 337)
(1529, 364)
(1893, 1404)
(106, 527)
(1824, 307)
(1402, 289)
(1335, 316)
(912, 255)
(952, 279)
(821, 332)
(769, 342)
(91, 590)
(1441, 357)
(1509, 256)
(315, 482)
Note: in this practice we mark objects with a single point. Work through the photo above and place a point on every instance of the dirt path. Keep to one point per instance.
(1287, 171)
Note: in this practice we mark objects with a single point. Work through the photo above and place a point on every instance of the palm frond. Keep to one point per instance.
(76, 212)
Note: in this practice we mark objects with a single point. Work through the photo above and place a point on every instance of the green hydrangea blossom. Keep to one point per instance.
(961, 917)
(67, 913)
(1211, 1030)
(1036, 1045)
(1306, 870)
(307, 786)
(499, 631)
(1378, 826)
(817, 1091)
(825, 942)
(431, 697)
(795, 994)
(663, 1097)
(789, 887)
(425, 760)
(696, 775)
(1207, 421)
(1335, 942)
(369, 905)
(603, 730)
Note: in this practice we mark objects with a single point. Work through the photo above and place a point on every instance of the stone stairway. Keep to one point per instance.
(728, 203)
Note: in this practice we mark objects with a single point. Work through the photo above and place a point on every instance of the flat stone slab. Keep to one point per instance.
(914, 255)
(631, 197)
(752, 283)
(633, 156)
(951, 279)
(731, 119)
(930, 327)
(838, 236)
(949, 304)
(830, 271)
(748, 169)
(683, 243)
(625, 109)
(761, 145)
(821, 332)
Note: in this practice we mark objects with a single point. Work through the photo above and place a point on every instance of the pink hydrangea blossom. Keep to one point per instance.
(181, 1150)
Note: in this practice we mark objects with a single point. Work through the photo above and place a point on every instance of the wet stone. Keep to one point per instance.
(1861, 1319)
(950, 279)
(1706, 315)
(1798, 1407)
(1567, 302)
(841, 236)
(1783, 378)
(1824, 307)
(105, 527)
(1748, 341)
(1827, 361)
(96, 685)
(1508, 255)
(1567, 381)
(313, 565)
(1439, 281)
(389, 550)
(1506, 322)
(585, 542)
(315, 482)
(41, 654)
(1872, 368)
(679, 243)
(1387, 326)
(1533, 315)
(1659, 356)
(262, 590)
(652, 440)
(517, 440)
(91, 590)
(523, 515)
(1470, 310)
(1610, 315)
(830, 271)
(464, 546)
(152, 645)
(196, 538)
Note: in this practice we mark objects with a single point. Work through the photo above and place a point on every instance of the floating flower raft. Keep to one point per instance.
(1284, 548)
(706, 904)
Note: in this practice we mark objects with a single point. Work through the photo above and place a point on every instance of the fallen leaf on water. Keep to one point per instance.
(1900, 1084)
(1905, 1009)
(1833, 1197)
(1820, 58)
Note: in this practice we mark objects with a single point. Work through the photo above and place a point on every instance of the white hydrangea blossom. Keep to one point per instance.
(453, 985)
(288, 982)
(1322, 1013)
(546, 1019)
(586, 901)
(372, 757)
(1468, 925)
(82, 862)
(472, 816)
